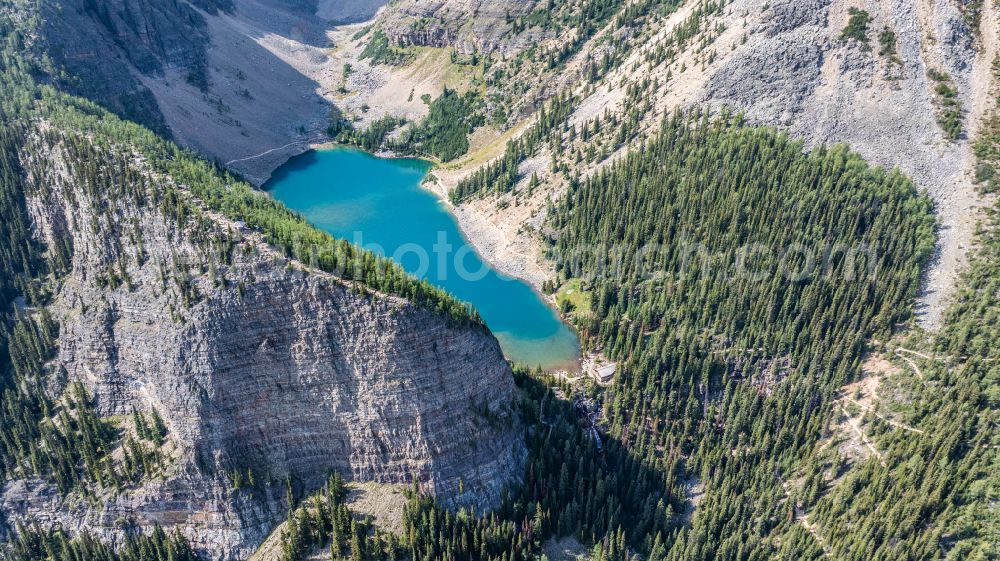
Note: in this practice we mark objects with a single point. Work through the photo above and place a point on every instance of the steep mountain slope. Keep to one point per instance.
(107, 47)
(790, 65)
(231, 79)
(907, 85)
(179, 294)
(264, 81)
(751, 416)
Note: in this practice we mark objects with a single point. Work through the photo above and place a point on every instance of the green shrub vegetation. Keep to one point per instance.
(887, 45)
(444, 133)
(381, 50)
(573, 299)
(857, 25)
(949, 106)
(973, 12)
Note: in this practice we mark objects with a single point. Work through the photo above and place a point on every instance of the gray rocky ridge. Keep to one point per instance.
(280, 370)
(470, 26)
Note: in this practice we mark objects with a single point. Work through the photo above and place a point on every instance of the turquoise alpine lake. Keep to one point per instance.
(378, 203)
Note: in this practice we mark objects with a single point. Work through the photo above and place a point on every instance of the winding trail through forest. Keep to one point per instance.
(869, 409)
(803, 519)
(856, 427)
(920, 354)
(899, 352)
(948, 358)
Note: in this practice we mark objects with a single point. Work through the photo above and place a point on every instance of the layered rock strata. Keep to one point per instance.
(256, 364)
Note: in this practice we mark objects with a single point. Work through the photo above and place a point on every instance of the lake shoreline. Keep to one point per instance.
(488, 240)
(470, 223)
(352, 193)
(481, 240)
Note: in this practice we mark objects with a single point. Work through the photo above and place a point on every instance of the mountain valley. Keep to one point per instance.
(771, 225)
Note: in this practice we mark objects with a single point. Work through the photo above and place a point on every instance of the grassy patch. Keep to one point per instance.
(451, 72)
(482, 153)
(573, 299)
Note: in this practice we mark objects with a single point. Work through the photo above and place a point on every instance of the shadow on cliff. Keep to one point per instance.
(263, 103)
(227, 78)
(280, 390)
(588, 479)
(342, 12)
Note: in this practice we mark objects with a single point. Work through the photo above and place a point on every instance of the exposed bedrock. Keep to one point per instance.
(280, 371)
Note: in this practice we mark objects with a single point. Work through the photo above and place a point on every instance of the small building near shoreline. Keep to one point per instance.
(605, 373)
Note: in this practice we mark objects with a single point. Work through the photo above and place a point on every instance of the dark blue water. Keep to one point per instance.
(378, 203)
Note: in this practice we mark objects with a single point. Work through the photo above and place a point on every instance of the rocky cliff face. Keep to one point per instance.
(255, 363)
(475, 26)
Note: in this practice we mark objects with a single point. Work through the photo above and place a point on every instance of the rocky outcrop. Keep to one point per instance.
(778, 74)
(476, 26)
(221, 523)
(255, 363)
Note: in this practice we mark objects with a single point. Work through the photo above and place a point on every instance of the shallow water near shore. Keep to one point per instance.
(378, 203)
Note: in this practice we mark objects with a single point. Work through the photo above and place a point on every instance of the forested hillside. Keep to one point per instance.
(735, 360)
(34, 544)
(773, 397)
(714, 438)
